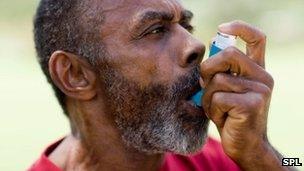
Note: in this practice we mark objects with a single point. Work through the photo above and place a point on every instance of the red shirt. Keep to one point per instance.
(210, 158)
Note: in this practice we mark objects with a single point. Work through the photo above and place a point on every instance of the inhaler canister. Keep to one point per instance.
(220, 42)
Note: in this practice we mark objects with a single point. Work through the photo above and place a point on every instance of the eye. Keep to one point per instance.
(157, 30)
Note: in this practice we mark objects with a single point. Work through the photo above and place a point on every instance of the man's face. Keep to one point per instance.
(150, 71)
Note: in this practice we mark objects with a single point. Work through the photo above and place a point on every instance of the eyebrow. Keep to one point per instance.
(186, 15)
(150, 16)
(155, 15)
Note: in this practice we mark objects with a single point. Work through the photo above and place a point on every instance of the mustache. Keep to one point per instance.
(186, 84)
(182, 88)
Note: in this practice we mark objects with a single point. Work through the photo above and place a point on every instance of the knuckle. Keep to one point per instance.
(204, 69)
(203, 66)
(257, 101)
(265, 92)
(238, 22)
(218, 78)
(263, 37)
(230, 51)
(268, 80)
(217, 98)
(262, 34)
(271, 81)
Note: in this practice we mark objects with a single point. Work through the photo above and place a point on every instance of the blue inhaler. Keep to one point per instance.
(221, 41)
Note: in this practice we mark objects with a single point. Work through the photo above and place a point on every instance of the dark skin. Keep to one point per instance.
(151, 41)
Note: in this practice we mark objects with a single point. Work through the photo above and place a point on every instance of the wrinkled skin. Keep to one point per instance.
(132, 106)
(151, 80)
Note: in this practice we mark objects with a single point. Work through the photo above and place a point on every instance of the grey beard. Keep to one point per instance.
(150, 119)
(164, 132)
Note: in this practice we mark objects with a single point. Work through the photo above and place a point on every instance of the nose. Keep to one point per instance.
(193, 52)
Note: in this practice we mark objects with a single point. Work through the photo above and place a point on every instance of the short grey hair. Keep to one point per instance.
(68, 25)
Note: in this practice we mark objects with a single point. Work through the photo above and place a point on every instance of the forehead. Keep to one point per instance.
(125, 9)
(115, 4)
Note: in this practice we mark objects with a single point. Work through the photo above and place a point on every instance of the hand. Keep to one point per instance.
(238, 105)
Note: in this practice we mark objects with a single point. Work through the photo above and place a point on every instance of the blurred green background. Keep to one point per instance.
(31, 118)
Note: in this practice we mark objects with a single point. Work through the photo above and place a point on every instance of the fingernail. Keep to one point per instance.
(202, 83)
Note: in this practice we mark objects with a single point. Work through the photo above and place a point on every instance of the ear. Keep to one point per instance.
(72, 75)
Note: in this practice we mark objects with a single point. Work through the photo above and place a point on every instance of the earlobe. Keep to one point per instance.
(72, 75)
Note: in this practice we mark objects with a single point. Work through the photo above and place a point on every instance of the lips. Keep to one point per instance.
(191, 93)
(191, 109)
(189, 106)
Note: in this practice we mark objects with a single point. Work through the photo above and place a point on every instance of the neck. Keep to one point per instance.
(99, 146)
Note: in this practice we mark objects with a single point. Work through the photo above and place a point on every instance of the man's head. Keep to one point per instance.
(136, 61)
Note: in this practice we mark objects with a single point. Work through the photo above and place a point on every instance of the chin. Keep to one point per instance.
(193, 138)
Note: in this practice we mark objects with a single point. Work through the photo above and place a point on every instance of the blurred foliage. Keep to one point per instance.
(282, 21)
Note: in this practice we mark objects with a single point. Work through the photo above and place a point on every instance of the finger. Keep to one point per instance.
(221, 104)
(226, 105)
(227, 83)
(232, 60)
(254, 38)
(202, 83)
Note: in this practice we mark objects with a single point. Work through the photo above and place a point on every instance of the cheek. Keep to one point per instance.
(155, 64)
(137, 65)
(145, 62)
(142, 71)
(167, 62)
(148, 67)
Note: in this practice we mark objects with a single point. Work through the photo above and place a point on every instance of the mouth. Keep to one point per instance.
(188, 104)
(192, 92)
(192, 109)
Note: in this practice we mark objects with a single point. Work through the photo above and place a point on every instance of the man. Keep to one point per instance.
(124, 71)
